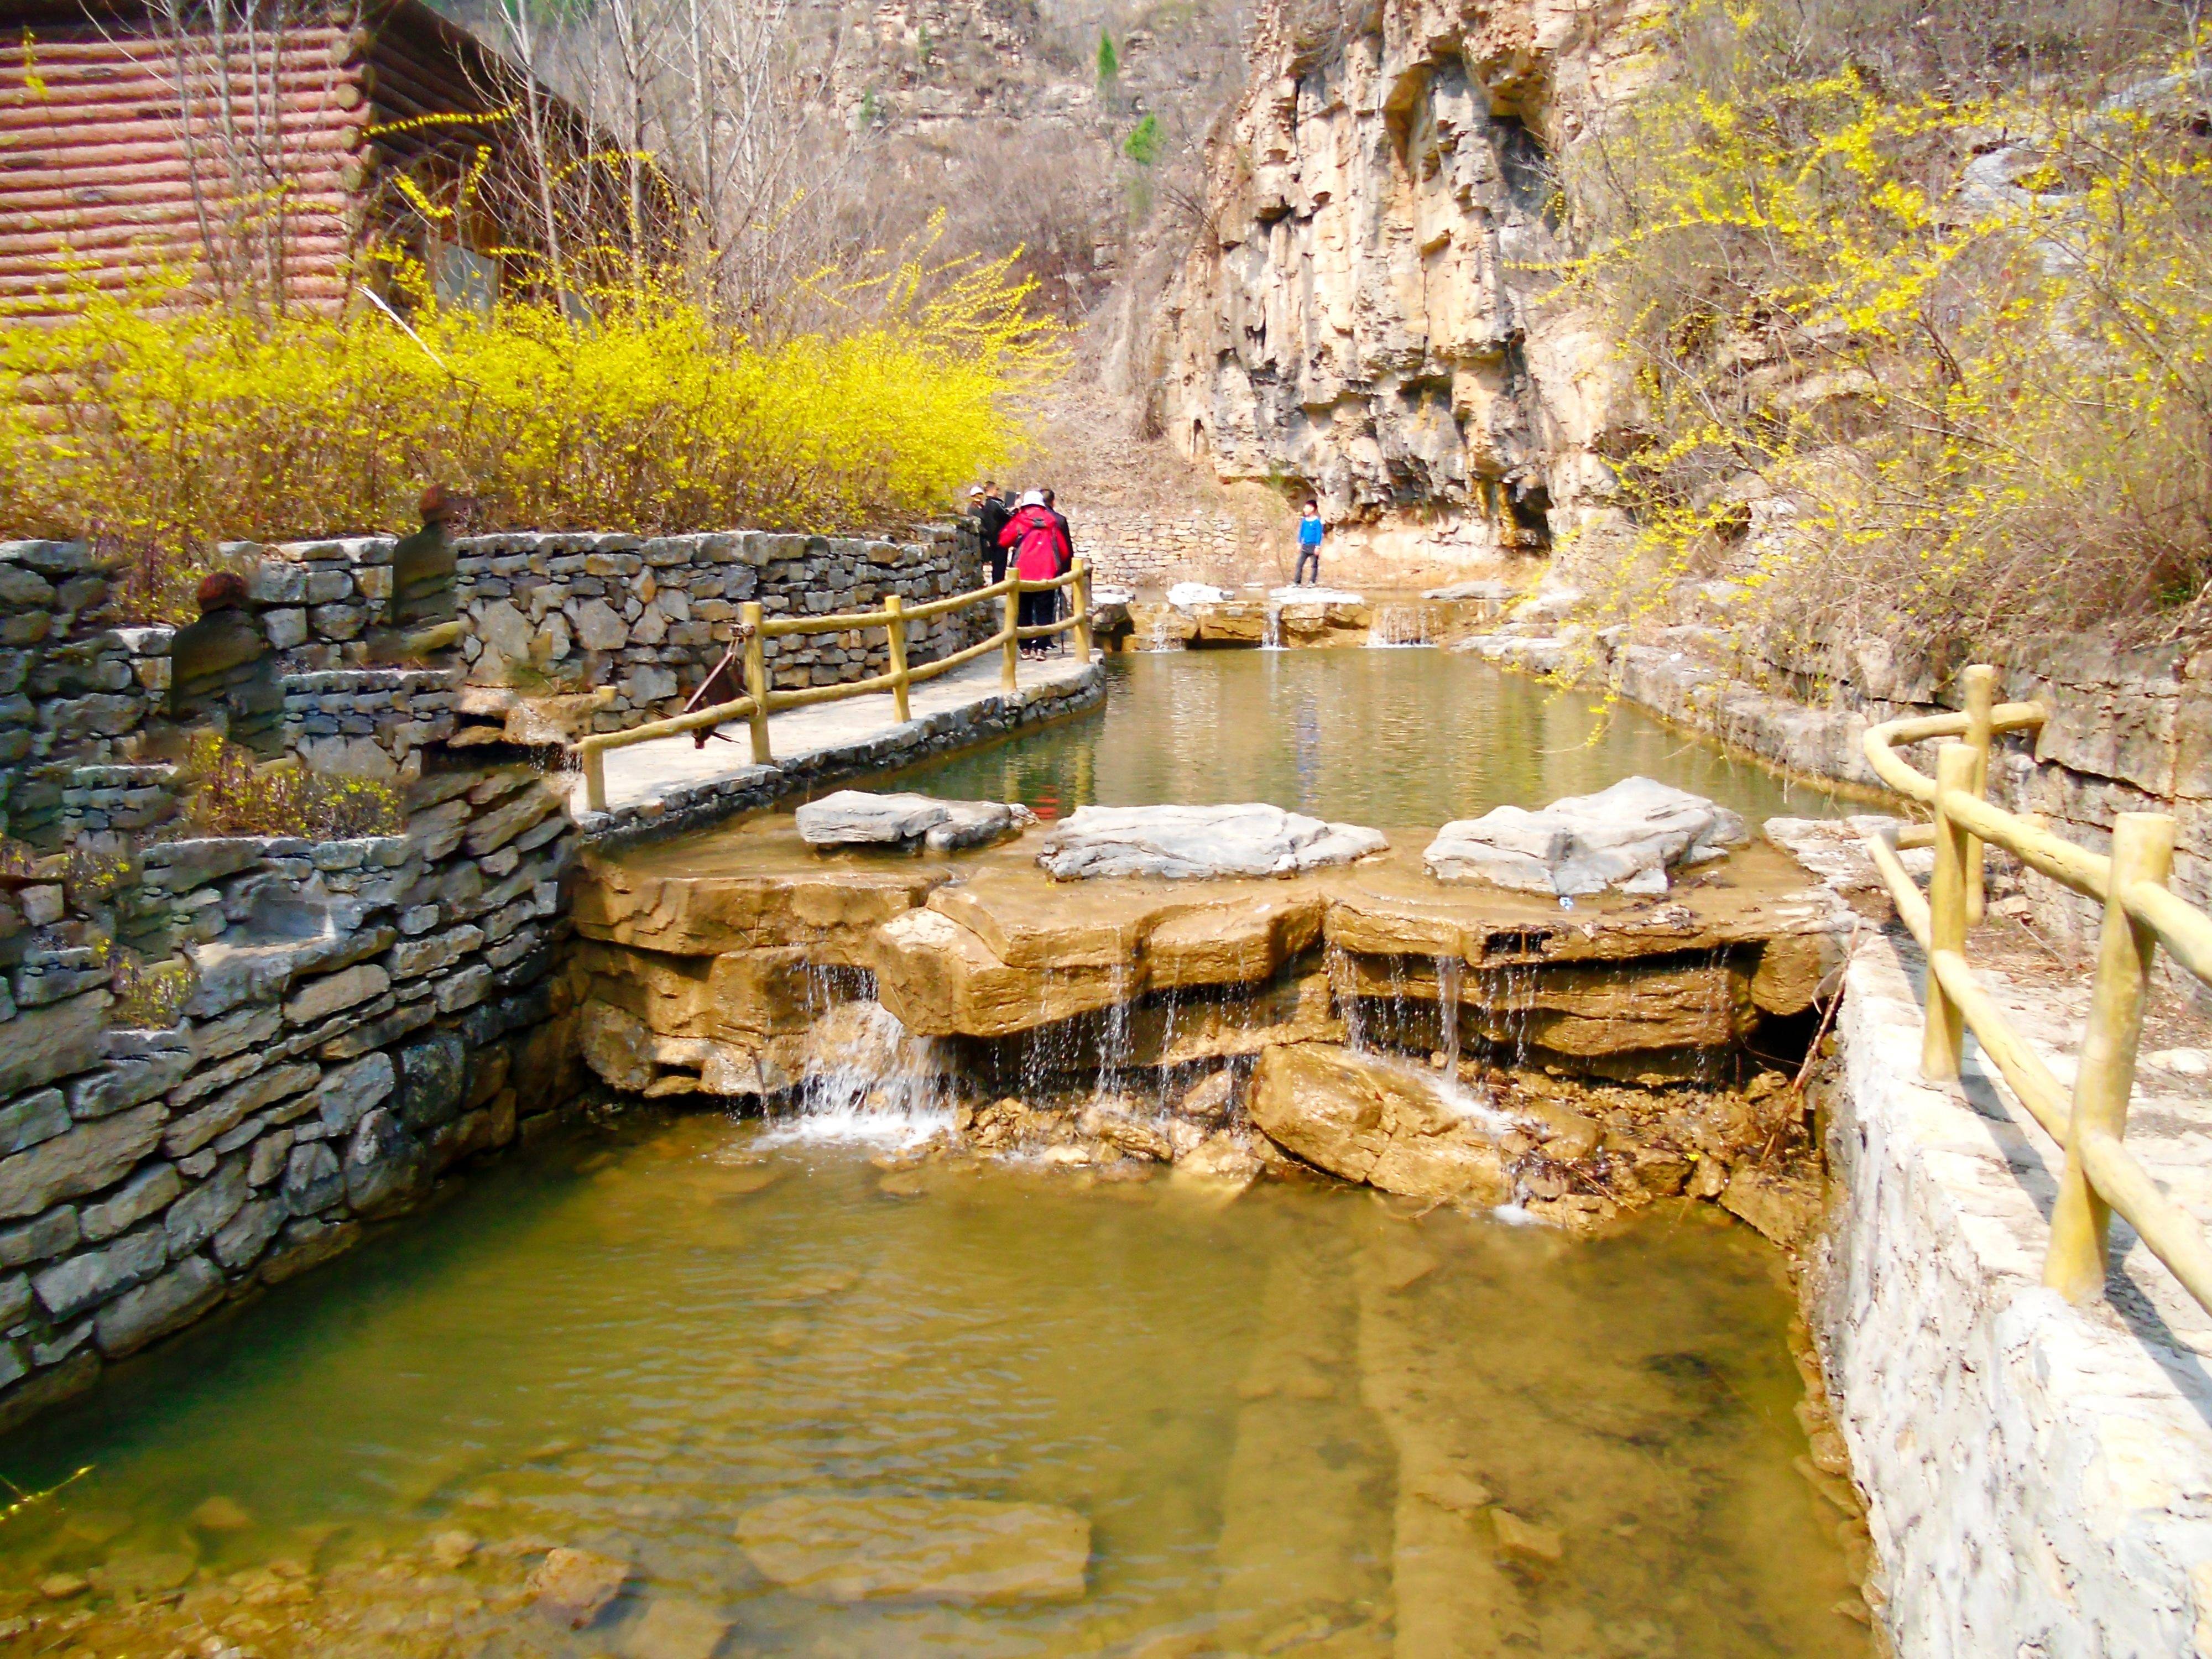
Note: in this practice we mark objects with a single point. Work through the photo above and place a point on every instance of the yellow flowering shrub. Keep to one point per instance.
(1923, 360)
(232, 794)
(162, 429)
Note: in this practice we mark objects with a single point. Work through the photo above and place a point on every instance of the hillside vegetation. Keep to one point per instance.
(1917, 303)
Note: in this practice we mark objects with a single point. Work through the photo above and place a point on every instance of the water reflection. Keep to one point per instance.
(1389, 738)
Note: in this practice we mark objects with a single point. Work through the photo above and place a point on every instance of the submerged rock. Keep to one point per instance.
(673, 1628)
(1194, 842)
(572, 1586)
(855, 817)
(860, 1548)
(1366, 1119)
(1626, 837)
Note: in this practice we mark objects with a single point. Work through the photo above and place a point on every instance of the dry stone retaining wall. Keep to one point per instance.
(362, 1015)
(1145, 550)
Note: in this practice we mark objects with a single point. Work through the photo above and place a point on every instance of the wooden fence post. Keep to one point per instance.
(1981, 687)
(2143, 850)
(756, 679)
(896, 607)
(595, 776)
(1010, 672)
(1082, 597)
(1943, 1039)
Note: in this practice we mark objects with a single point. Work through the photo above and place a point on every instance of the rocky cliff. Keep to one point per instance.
(1362, 310)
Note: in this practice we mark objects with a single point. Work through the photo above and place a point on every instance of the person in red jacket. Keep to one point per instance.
(1040, 550)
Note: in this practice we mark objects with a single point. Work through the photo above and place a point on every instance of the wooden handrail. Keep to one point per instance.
(2141, 914)
(761, 700)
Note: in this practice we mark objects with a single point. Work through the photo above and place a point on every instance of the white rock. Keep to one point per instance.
(1295, 594)
(853, 817)
(1548, 604)
(1186, 843)
(1626, 837)
(1183, 595)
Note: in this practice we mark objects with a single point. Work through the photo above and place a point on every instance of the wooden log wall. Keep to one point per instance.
(108, 177)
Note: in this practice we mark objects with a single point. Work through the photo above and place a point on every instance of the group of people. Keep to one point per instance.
(1031, 533)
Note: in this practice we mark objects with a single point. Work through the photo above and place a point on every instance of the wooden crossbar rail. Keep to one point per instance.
(2141, 914)
(761, 700)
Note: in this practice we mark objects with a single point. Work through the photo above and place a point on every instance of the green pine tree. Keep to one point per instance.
(1142, 146)
(1109, 62)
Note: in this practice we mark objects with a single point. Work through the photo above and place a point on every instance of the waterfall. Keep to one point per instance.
(1447, 985)
(1399, 627)
(1271, 631)
(865, 1077)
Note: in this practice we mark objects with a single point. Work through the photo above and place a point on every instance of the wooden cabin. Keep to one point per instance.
(292, 147)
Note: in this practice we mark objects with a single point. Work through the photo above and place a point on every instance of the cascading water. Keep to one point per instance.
(1271, 631)
(1449, 970)
(1114, 1028)
(1399, 627)
(866, 1077)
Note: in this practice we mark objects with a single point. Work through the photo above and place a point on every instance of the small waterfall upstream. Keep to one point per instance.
(1399, 627)
(1271, 631)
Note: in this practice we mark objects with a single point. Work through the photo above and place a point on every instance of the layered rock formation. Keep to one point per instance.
(1361, 309)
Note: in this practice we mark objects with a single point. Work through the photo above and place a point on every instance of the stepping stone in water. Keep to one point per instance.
(572, 1586)
(1194, 842)
(1626, 837)
(951, 1549)
(855, 817)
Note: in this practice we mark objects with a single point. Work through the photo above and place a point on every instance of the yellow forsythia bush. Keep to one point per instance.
(232, 794)
(1923, 363)
(162, 429)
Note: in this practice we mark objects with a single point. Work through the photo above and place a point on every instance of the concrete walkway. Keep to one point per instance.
(670, 784)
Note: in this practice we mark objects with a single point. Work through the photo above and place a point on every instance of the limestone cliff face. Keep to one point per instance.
(1361, 312)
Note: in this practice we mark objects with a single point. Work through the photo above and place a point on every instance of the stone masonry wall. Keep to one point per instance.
(650, 616)
(2129, 731)
(1144, 550)
(359, 1016)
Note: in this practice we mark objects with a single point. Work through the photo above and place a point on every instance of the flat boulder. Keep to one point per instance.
(1195, 842)
(839, 1548)
(571, 1587)
(1627, 836)
(1183, 595)
(1369, 1120)
(855, 817)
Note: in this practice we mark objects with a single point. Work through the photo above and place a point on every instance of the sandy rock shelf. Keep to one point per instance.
(738, 940)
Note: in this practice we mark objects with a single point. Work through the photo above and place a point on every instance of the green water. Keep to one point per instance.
(1390, 738)
(626, 1343)
(1297, 1423)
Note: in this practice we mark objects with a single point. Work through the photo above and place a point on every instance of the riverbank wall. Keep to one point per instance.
(221, 1056)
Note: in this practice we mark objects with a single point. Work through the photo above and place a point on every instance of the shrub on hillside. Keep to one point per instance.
(1917, 307)
(160, 429)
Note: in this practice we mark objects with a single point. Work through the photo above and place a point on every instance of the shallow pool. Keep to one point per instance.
(1379, 737)
(1300, 1422)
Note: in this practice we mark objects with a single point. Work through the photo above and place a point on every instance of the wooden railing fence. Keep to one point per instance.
(2141, 914)
(760, 700)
